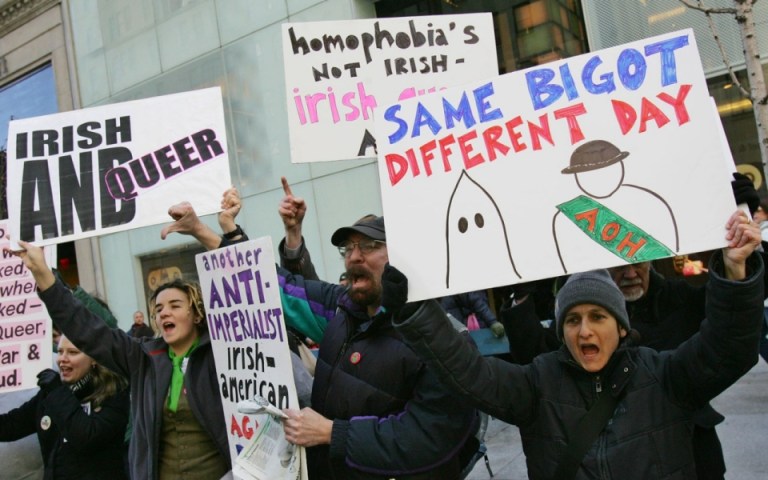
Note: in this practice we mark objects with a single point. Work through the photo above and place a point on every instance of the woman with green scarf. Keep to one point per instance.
(178, 421)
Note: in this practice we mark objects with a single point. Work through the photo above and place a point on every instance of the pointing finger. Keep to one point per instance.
(286, 187)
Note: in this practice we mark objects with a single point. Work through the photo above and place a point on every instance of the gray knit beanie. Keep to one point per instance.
(595, 287)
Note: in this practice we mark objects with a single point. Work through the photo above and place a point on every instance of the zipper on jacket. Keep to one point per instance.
(598, 384)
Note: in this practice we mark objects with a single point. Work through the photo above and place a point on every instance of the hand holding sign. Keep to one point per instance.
(743, 238)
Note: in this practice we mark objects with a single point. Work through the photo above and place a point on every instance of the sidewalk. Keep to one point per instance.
(743, 434)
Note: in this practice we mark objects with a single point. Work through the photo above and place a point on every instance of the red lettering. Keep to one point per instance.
(590, 216)
(678, 103)
(625, 115)
(397, 166)
(491, 138)
(633, 247)
(466, 150)
(610, 231)
(241, 429)
(445, 150)
(247, 429)
(649, 111)
(515, 136)
(412, 160)
(540, 131)
(426, 156)
(570, 114)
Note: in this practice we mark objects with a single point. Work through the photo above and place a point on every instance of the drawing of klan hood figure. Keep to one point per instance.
(610, 219)
(475, 236)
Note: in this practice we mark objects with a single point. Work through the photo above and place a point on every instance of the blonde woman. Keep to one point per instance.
(79, 414)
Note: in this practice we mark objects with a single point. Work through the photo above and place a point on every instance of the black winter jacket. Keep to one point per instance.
(391, 416)
(649, 435)
(75, 444)
(146, 364)
(668, 314)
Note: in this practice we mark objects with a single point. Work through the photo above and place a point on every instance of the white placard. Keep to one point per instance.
(587, 162)
(25, 326)
(107, 169)
(250, 346)
(338, 72)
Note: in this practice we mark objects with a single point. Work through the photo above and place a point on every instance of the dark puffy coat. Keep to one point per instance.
(93, 449)
(147, 366)
(668, 314)
(391, 416)
(649, 435)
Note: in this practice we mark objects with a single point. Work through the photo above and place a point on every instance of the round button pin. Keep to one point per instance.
(355, 358)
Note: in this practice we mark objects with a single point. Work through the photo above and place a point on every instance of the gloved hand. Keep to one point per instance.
(394, 293)
(394, 289)
(744, 192)
(48, 380)
(497, 329)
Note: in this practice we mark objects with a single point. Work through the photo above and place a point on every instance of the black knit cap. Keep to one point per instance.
(595, 287)
(370, 226)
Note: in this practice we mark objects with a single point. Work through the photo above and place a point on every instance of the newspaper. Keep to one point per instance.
(269, 456)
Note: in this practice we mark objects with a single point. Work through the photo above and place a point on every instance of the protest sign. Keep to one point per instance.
(336, 73)
(25, 327)
(250, 347)
(591, 161)
(107, 169)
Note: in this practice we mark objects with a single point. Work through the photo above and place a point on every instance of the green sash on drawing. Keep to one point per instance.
(612, 232)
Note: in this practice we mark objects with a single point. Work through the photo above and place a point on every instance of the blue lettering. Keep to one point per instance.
(568, 83)
(632, 68)
(464, 111)
(481, 93)
(402, 125)
(542, 93)
(667, 49)
(423, 117)
(606, 86)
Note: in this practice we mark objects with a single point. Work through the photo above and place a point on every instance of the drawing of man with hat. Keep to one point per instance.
(618, 217)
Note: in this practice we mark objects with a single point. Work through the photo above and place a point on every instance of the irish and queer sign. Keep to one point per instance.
(25, 327)
(249, 340)
(337, 73)
(106, 169)
(592, 161)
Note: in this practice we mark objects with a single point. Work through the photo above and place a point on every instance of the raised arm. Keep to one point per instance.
(113, 348)
(294, 255)
(726, 346)
(187, 222)
(292, 210)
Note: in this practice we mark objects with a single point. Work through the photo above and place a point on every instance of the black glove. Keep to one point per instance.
(744, 192)
(394, 289)
(48, 380)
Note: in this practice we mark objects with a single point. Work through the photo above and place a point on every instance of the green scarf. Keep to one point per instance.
(177, 378)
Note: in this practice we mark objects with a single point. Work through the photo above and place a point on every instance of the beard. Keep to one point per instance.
(637, 291)
(363, 295)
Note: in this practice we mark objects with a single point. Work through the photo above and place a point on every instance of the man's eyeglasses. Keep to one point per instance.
(365, 246)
